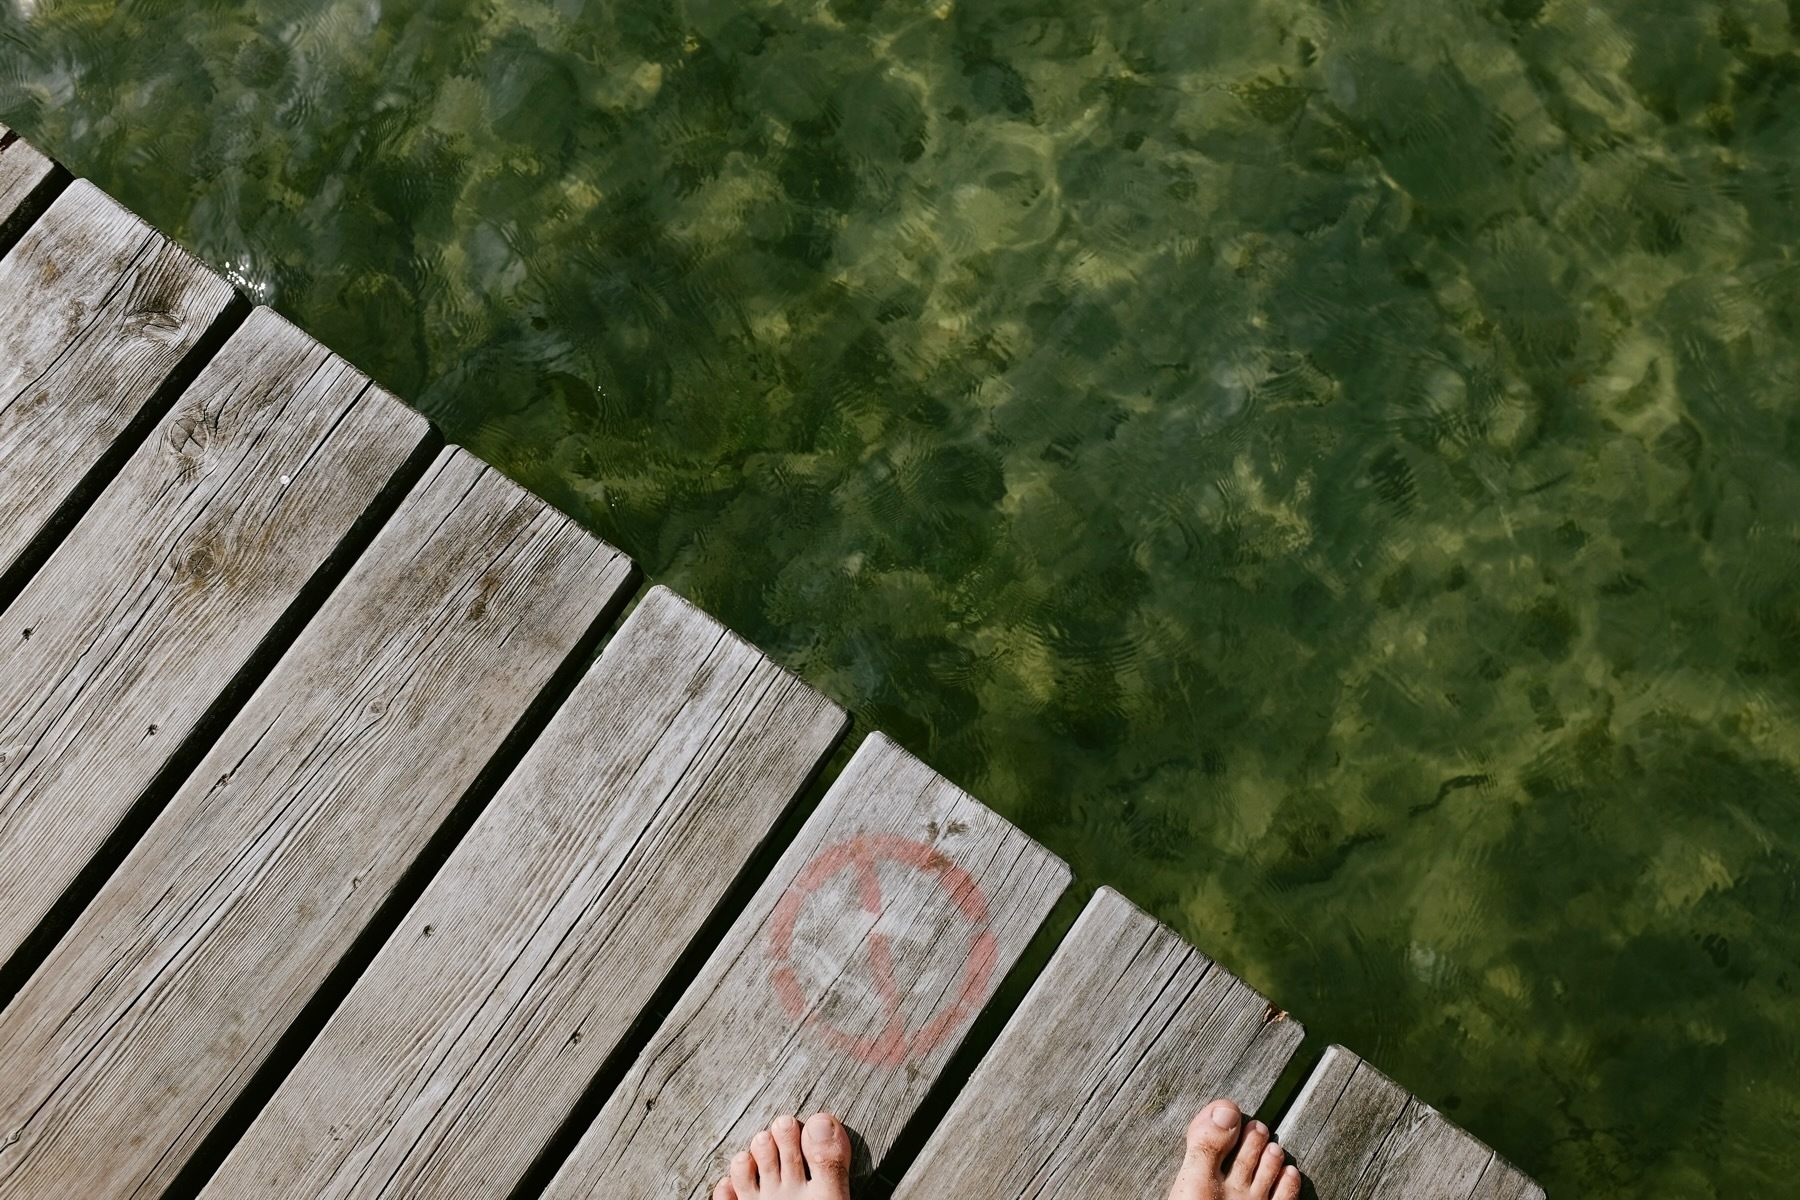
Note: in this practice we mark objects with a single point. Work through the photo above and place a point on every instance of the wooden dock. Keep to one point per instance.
(366, 830)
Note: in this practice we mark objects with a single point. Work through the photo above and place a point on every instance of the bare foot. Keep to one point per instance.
(1258, 1171)
(788, 1162)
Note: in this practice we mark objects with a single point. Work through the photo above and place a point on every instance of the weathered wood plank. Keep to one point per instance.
(1121, 1040)
(1358, 1135)
(1334, 1150)
(1503, 1181)
(125, 1048)
(120, 645)
(459, 1054)
(28, 182)
(97, 312)
(846, 984)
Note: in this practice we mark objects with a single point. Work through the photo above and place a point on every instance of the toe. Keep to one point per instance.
(724, 1191)
(826, 1147)
(1289, 1187)
(1268, 1170)
(768, 1159)
(786, 1132)
(1249, 1154)
(743, 1175)
(1211, 1135)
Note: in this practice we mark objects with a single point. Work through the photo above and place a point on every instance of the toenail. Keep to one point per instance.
(1224, 1116)
(1258, 1127)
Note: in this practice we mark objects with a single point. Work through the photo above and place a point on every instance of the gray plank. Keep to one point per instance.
(846, 984)
(459, 1054)
(1358, 1135)
(1503, 1181)
(1341, 1128)
(123, 641)
(97, 311)
(28, 182)
(124, 1049)
(1124, 1037)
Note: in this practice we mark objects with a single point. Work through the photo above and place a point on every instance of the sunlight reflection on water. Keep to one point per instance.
(1329, 472)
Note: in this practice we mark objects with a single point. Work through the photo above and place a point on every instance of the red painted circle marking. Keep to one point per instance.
(895, 1043)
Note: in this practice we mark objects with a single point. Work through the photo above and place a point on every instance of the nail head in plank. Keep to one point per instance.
(461, 1050)
(1124, 1037)
(135, 626)
(175, 984)
(97, 310)
(28, 182)
(1358, 1135)
(846, 985)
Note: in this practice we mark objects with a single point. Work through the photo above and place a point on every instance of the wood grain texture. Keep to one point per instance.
(1503, 1181)
(122, 1051)
(28, 182)
(1358, 1135)
(97, 310)
(1088, 1091)
(118, 647)
(846, 984)
(526, 961)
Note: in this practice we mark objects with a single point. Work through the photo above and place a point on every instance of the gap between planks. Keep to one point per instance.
(1127, 1033)
(175, 985)
(178, 341)
(103, 321)
(28, 182)
(200, 560)
(521, 969)
(845, 986)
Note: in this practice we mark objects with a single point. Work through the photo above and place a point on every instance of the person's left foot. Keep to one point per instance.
(788, 1162)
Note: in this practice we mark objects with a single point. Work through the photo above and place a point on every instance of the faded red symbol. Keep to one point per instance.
(895, 1043)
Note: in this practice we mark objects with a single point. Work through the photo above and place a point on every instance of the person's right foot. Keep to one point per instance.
(790, 1161)
(1259, 1169)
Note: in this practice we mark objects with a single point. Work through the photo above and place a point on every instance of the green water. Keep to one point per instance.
(1330, 470)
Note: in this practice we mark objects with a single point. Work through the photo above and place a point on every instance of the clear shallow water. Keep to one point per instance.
(1330, 470)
